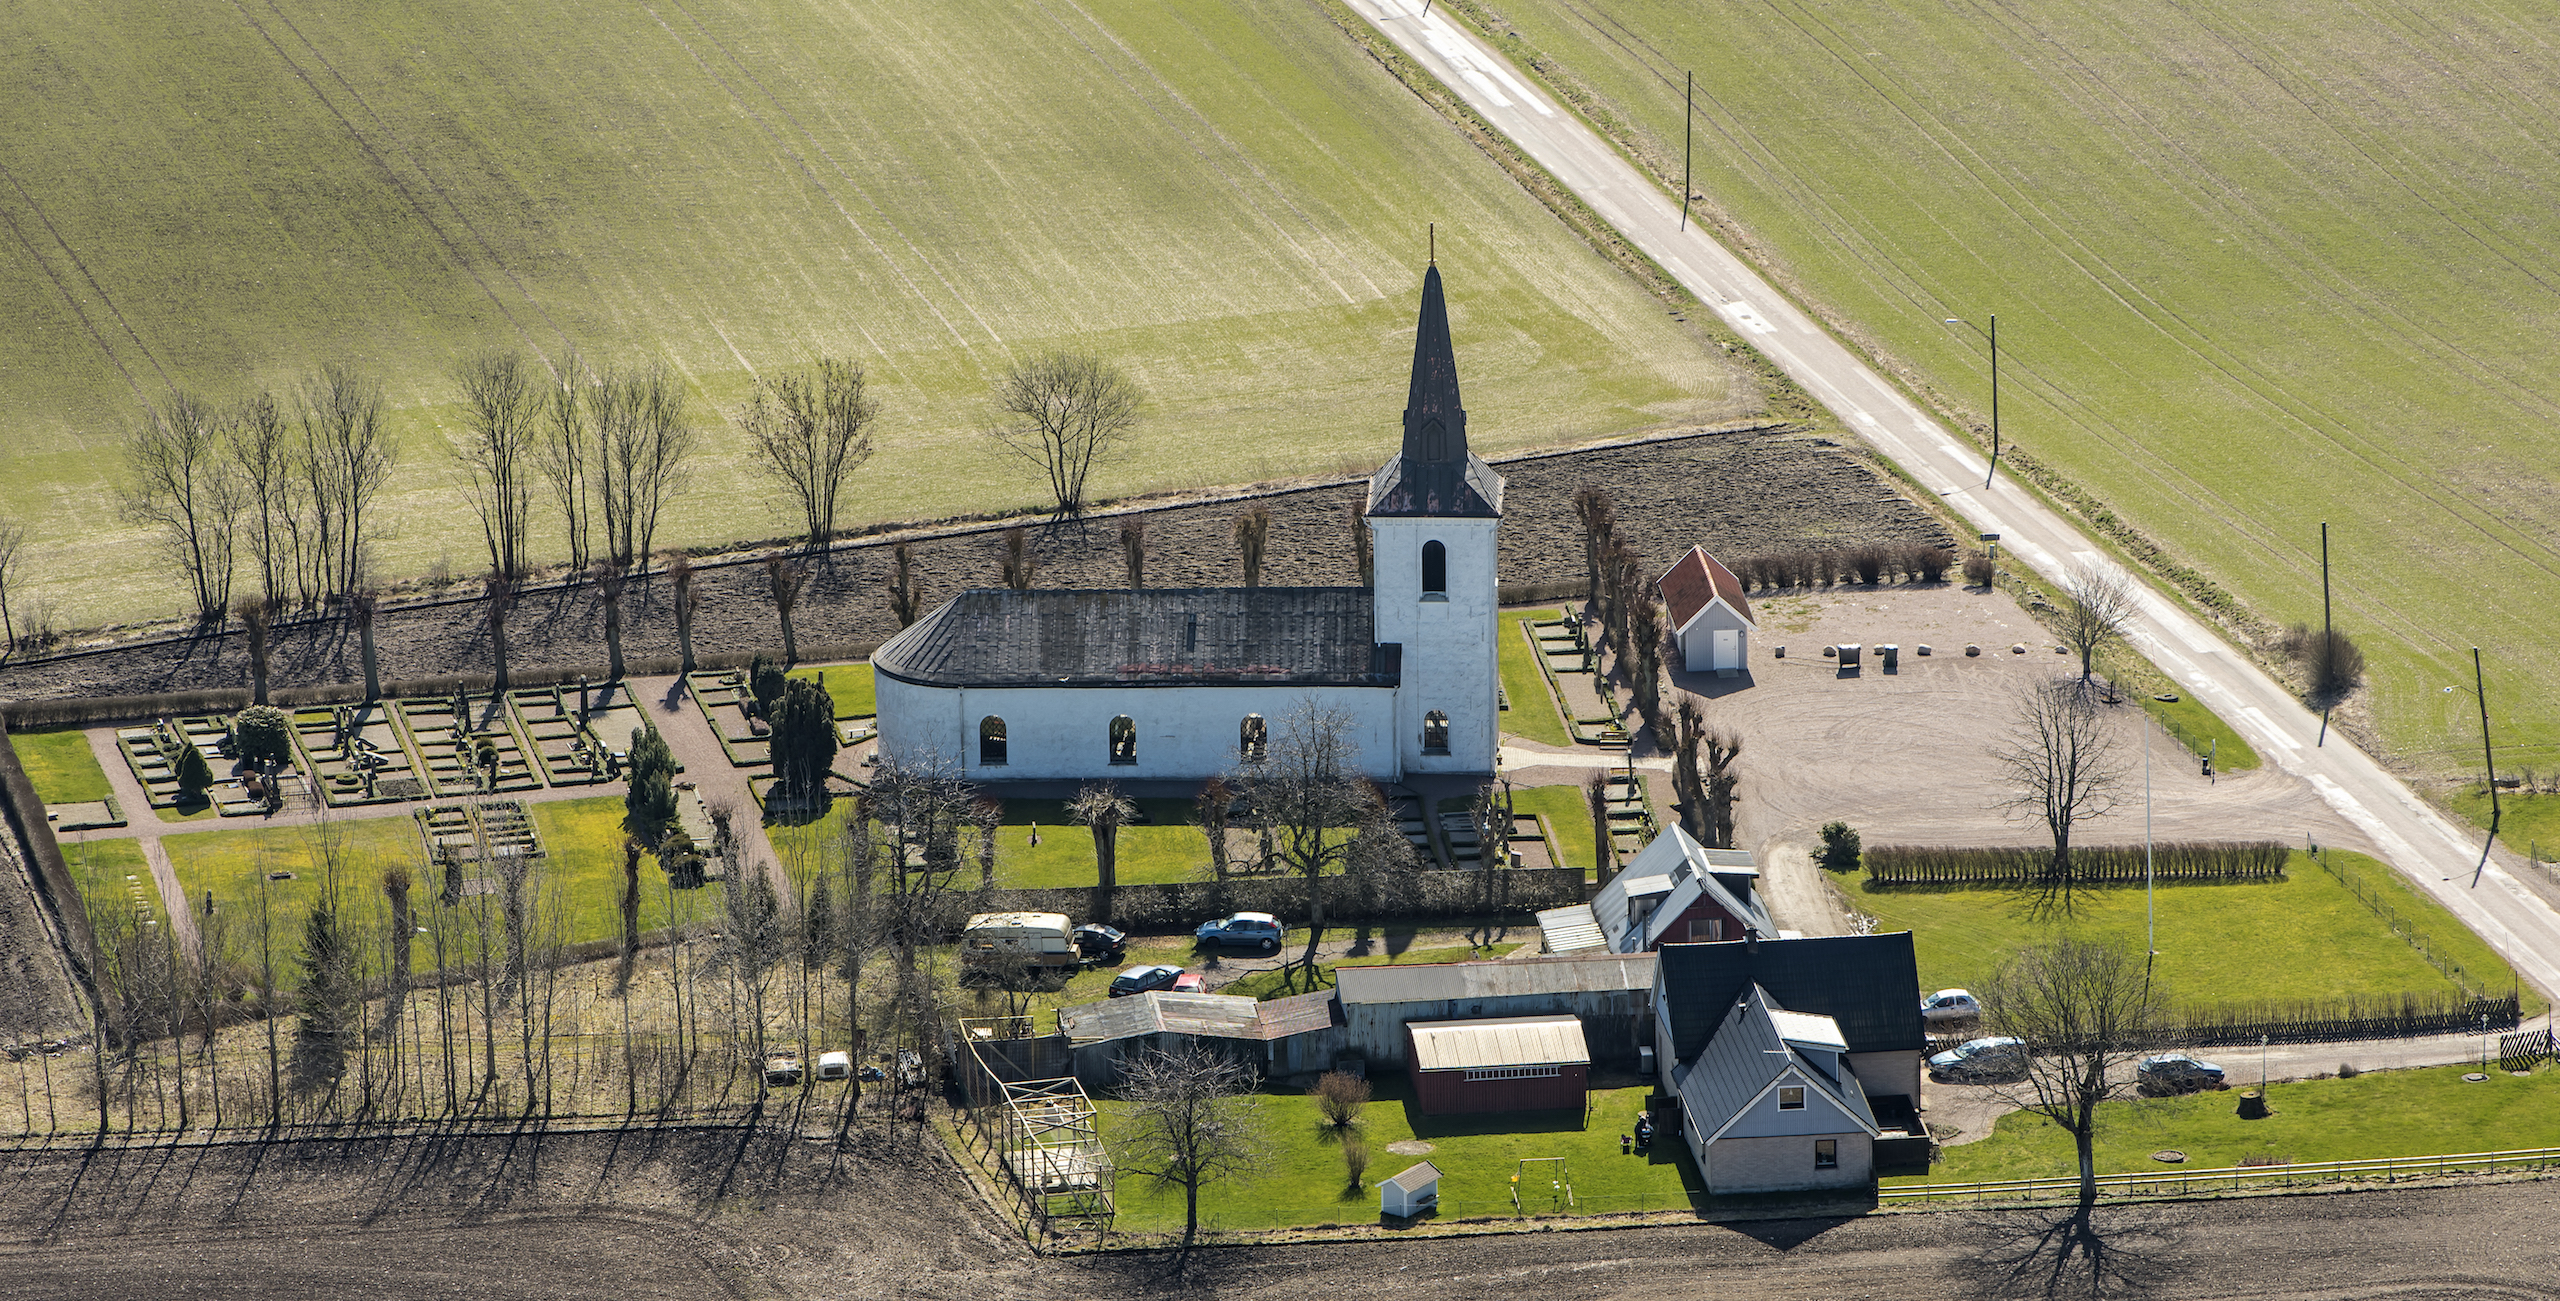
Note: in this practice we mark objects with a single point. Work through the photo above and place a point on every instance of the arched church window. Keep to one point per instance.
(1435, 568)
(1435, 733)
(1124, 739)
(1253, 737)
(991, 742)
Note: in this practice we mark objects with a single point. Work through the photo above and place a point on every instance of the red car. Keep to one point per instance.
(1191, 982)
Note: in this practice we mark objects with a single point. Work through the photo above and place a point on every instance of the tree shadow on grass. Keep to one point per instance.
(2073, 1253)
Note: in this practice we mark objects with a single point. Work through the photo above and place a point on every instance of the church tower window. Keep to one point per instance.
(1435, 569)
(1435, 733)
(1124, 740)
(991, 742)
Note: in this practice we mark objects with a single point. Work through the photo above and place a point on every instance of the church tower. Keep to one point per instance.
(1433, 512)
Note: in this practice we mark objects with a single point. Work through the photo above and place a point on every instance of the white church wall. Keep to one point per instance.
(1698, 639)
(1064, 733)
(1451, 660)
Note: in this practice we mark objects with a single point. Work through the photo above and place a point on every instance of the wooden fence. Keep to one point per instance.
(2231, 1179)
(2332, 1021)
(1890, 866)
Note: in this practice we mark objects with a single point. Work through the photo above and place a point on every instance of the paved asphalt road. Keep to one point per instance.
(2433, 852)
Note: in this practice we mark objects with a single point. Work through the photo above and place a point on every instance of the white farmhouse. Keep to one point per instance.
(1179, 683)
(1710, 614)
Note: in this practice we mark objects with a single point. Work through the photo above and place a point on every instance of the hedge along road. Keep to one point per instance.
(2421, 843)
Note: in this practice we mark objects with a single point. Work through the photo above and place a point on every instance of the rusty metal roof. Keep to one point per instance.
(1499, 1041)
(1299, 1013)
(1217, 1016)
(1552, 974)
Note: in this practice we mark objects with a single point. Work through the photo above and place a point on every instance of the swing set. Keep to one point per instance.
(1559, 1182)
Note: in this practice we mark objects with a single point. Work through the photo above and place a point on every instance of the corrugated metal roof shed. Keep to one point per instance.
(1299, 1014)
(1499, 1041)
(1223, 1016)
(1572, 930)
(1552, 974)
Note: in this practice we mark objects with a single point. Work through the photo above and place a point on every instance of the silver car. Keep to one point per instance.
(1995, 1058)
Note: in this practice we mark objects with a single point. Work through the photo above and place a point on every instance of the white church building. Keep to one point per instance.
(1154, 684)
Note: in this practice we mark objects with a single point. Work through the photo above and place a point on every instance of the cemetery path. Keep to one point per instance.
(706, 765)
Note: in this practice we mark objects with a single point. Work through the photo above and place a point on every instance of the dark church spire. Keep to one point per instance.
(1435, 474)
(1435, 426)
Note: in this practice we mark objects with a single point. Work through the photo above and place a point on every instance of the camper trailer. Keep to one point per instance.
(1019, 940)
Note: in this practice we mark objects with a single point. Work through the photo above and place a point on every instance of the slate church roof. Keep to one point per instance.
(1199, 636)
(1435, 475)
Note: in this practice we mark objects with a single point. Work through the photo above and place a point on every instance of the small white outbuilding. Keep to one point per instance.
(1411, 1193)
(1710, 614)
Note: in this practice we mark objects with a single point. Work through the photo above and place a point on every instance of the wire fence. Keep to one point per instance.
(2188, 1183)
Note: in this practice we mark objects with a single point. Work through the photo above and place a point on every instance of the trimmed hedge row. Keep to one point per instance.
(1891, 866)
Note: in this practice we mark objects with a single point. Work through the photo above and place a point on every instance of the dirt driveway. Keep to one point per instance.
(1905, 756)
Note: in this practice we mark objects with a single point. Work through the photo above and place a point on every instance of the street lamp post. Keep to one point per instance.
(1995, 395)
(2488, 760)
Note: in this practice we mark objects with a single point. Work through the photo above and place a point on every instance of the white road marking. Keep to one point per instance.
(2267, 727)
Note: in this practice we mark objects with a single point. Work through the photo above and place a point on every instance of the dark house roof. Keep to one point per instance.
(1199, 636)
(1870, 984)
(1435, 474)
(1745, 1054)
(1697, 580)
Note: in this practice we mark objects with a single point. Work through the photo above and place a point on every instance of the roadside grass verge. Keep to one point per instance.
(1301, 1182)
(2526, 823)
(1266, 984)
(849, 685)
(2422, 1112)
(1534, 708)
(2305, 937)
(62, 766)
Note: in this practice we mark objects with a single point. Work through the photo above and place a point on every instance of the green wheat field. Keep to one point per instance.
(1227, 197)
(2257, 264)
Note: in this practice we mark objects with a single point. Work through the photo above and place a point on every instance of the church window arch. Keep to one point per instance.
(991, 744)
(1435, 569)
(1435, 733)
(1124, 740)
(1253, 737)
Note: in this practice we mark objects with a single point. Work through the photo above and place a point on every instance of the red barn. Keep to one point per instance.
(1512, 1063)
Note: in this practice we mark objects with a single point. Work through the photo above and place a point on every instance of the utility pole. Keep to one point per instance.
(1995, 401)
(1688, 113)
(2488, 762)
(2326, 635)
(2150, 912)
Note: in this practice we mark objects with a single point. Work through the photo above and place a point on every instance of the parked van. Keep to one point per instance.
(1020, 939)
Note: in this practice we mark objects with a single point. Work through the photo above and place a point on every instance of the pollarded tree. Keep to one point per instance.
(361, 607)
(1133, 548)
(680, 578)
(1252, 531)
(783, 578)
(609, 583)
(253, 622)
(1598, 515)
(906, 592)
(644, 437)
(809, 435)
(1065, 413)
(498, 595)
(1101, 807)
(1020, 566)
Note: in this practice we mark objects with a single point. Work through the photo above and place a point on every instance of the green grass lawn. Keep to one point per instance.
(584, 841)
(2254, 268)
(1301, 1181)
(1533, 708)
(99, 868)
(2376, 1114)
(849, 685)
(234, 865)
(1266, 985)
(1226, 197)
(1568, 819)
(2203, 732)
(2305, 937)
(2526, 823)
(1170, 849)
(62, 766)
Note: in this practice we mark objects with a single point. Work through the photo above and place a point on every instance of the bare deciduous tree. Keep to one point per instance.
(1192, 1121)
(1065, 413)
(1101, 807)
(253, 622)
(265, 449)
(567, 460)
(1722, 749)
(183, 487)
(1214, 802)
(1595, 798)
(2097, 604)
(783, 578)
(810, 434)
(643, 440)
(499, 596)
(609, 583)
(346, 459)
(361, 607)
(2086, 1011)
(1363, 562)
(680, 578)
(1252, 530)
(906, 594)
(1133, 548)
(2061, 768)
(13, 541)
(502, 411)
(1688, 776)
(1598, 515)
(1020, 566)
(1305, 793)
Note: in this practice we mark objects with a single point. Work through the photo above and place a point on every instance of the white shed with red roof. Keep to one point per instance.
(1710, 614)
